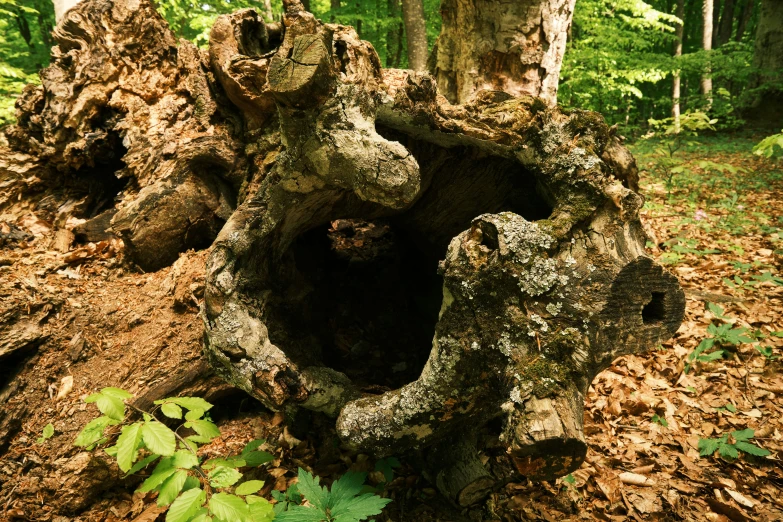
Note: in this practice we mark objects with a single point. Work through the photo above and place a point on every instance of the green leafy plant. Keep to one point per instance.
(48, 431)
(724, 337)
(195, 491)
(767, 352)
(660, 420)
(285, 500)
(768, 147)
(728, 445)
(213, 490)
(345, 502)
(386, 466)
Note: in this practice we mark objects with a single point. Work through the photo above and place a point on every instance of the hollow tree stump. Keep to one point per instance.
(532, 308)
(422, 272)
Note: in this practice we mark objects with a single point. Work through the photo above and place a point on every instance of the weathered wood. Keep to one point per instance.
(515, 224)
(125, 108)
(516, 47)
(454, 467)
(532, 309)
(95, 229)
(21, 328)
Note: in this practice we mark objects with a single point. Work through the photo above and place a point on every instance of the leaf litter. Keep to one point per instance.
(95, 324)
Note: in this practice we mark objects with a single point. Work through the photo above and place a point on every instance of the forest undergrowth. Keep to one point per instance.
(690, 431)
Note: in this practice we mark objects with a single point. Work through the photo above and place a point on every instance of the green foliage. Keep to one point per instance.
(25, 27)
(670, 138)
(179, 477)
(660, 420)
(344, 503)
(48, 431)
(386, 466)
(767, 352)
(724, 336)
(770, 147)
(615, 48)
(197, 491)
(730, 450)
(287, 500)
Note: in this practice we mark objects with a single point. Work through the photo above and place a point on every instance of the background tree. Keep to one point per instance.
(516, 47)
(768, 59)
(679, 29)
(416, 32)
(706, 42)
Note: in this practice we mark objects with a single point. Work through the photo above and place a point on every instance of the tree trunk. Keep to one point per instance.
(267, 10)
(61, 7)
(678, 33)
(401, 264)
(768, 55)
(706, 42)
(515, 47)
(394, 36)
(726, 23)
(747, 11)
(768, 59)
(716, 10)
(24, 28)
(415, 34)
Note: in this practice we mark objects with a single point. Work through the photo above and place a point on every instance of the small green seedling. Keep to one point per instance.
(345, 502)
(48, 431)
(660, 420)
(730, 450)
(728, 407)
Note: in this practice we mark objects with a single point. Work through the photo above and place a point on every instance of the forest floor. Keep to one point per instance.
(87, 321)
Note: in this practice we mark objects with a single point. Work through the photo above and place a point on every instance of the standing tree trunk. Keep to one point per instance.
(515, 47)
(747, 11)
(267, 10)
(415, 34)
(726, 23)
(706, 42)
(394, 35)
(678, 32)
(768, 55)
(716, 10)
(61, 7)
(768, 59)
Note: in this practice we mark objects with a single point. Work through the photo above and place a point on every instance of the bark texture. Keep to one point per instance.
(678, 34)
(116, 121)
(401, 264)
(515, 47)
(768, 55)
(767, 109)
(415, 33)
(707, 12)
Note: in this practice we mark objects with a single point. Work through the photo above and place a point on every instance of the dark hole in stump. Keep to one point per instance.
(654, 311)
(366, 293)
(374, 300)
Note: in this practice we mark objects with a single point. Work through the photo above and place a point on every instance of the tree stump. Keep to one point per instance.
(422, 272)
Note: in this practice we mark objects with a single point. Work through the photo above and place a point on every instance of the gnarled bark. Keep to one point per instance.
(515, 47)
(404, 265)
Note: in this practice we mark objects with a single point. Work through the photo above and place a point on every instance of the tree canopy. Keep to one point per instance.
(619, 58)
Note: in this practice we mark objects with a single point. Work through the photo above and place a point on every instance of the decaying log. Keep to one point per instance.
(532, 308)
(125, 110)
(406, 266)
